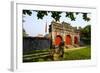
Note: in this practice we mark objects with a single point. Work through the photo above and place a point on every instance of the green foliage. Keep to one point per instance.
(28, 12)
(85, 17)
(41, 14)
(71, 15)
(56, 14)
(85, 34)
(24, 33)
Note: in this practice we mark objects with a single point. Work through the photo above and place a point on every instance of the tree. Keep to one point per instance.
(85, 34)
(56, 14)
(24, 33)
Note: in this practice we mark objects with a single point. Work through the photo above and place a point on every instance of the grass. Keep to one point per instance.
(80, 54)
(35, 53)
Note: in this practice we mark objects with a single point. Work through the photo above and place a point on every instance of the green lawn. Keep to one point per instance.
(80, 54)
(36, 55)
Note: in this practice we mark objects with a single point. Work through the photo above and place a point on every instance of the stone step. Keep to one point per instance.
(69, 46)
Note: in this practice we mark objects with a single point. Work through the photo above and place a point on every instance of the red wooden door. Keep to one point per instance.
(68, 40)
(75, 40)
(58, 40)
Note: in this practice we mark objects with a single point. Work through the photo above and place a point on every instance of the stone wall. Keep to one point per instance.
(35, 43)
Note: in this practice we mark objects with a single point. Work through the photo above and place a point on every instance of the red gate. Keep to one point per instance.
(68, 40)
(75, 40)
(58, 40)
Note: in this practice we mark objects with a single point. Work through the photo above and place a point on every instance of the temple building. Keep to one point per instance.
(66, 33)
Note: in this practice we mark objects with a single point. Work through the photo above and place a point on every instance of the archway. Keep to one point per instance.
(58, 40)
(68, 40)
(75, 40)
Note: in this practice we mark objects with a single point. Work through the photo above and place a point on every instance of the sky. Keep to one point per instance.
(34, 26)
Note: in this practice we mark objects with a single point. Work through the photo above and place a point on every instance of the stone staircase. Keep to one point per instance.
(71, 46)
(76, 45)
